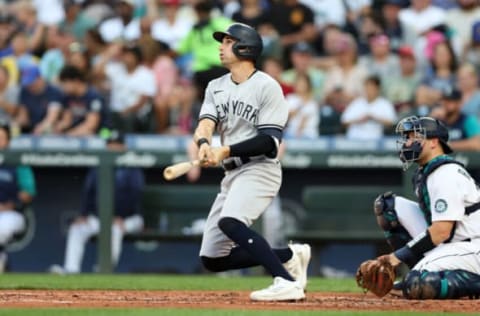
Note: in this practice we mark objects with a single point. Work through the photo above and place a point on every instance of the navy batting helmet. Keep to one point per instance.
(249, 44)
(421, 127)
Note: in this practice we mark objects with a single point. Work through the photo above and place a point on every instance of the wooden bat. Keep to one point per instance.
(176, 170)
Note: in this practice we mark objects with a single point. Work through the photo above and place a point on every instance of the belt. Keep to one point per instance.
(235, 163)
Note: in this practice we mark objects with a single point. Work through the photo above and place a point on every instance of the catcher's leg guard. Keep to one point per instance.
(384, 209)
(448, 284)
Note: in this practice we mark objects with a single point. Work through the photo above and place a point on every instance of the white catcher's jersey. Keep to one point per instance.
(241, 110)
(451, 189)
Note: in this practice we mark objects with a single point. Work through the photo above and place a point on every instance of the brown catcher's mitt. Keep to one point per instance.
(376, 276)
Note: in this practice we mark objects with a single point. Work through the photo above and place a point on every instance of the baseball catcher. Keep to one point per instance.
(437, 236)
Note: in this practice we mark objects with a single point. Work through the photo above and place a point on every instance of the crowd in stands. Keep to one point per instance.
(347, 67)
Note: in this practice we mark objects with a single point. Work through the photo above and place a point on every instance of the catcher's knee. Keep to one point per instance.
(384, 209)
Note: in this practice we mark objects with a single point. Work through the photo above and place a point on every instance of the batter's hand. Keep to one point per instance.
(212, 157)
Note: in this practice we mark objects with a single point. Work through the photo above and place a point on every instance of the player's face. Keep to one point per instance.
(226, 52)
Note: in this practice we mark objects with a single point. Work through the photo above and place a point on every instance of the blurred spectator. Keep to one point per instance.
(229, 7)
(77, 56)
(28, 23)
(167, 78)
(368, 25)
(367, 117)
(440, 76)
(251, 13)
(344, 81)
(419, 18)
(84, 111)
(304, 114)
(49, 12)
(8, 97)
(301, 57)
(132, 88)
(8, 27)
(274, 67)
(20, 58)
(461, 19)
(391, 22)
(467, 79)
(400, 89)
(17, 190)
(463, 129)
(123, 26)
(128, 187)
(203, 47)
(294, 23)
(327, 12)
(472, 52)
(169, 28)
(53, 60)
(380, 61)
(40, 103)
(76, 22)
(95, 46)
(339, 13)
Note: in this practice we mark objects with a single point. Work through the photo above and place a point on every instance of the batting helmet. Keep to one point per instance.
(249, 44)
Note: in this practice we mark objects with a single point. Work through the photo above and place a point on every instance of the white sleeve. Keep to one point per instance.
(445, 188)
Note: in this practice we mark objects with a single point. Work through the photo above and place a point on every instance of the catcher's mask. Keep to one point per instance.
(413, 131)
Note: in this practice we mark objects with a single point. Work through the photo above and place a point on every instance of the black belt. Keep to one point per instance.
(233, 164)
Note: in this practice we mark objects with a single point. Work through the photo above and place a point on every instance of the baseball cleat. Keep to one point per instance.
(297, 266)
(280, 290)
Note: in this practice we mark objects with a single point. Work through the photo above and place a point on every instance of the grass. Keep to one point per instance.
(171, 282)
(158, 282)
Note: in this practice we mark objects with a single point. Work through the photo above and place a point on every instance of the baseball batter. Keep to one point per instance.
(444, 254)
(247, 108)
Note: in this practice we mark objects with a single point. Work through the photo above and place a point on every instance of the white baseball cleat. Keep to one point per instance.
(297, 266)
(280, 290)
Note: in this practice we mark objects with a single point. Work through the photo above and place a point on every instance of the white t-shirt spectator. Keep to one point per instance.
(49, 12)
(417, 22)
(333, 12)
(128, 88)
(170, 34)
(305, 123)
(114, 29)
(380, 108)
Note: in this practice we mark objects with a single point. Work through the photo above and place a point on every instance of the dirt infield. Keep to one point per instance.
(219, 299)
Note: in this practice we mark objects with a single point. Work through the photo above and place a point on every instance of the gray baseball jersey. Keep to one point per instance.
(241, 111)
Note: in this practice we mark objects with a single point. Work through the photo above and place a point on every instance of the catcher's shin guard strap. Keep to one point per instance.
(448, 284)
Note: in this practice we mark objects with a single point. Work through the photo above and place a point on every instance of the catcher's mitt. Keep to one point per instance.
(376, 276)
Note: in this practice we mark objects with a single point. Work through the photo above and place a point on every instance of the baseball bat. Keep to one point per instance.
(176, 170)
